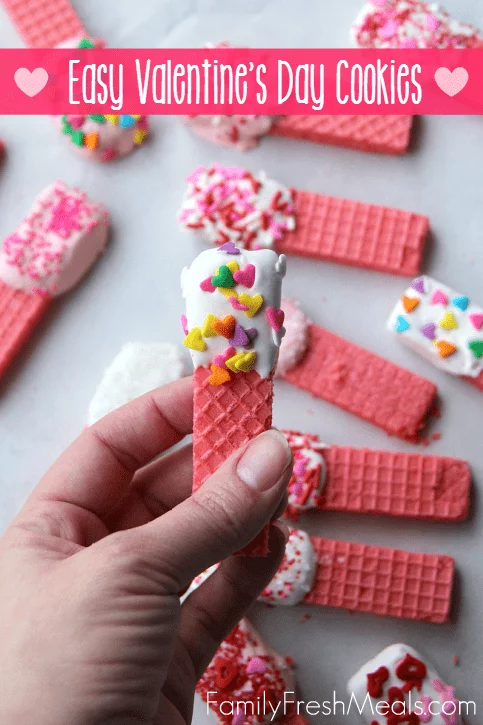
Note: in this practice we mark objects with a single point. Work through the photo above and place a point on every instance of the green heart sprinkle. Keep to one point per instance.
(78, 138)
(224, 278)
(476, 347)
(87, 43)
(97, 118)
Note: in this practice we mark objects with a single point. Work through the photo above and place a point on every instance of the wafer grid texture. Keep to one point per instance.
(363, 383)
(382, 134)
(387, 582)
(19, 315)
(396, 484)
(226, 417)
(44, 23)
(357, 234)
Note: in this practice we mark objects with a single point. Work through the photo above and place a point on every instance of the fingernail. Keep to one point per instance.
(264, 461)
(283, 528)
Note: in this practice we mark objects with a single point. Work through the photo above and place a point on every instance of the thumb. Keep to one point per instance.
(224, 515)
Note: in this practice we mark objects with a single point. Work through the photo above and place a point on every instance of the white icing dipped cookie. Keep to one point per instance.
(295, 576)
(138, 368)
(398, 682)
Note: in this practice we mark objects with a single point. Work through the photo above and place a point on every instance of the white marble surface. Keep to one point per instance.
(133, 294)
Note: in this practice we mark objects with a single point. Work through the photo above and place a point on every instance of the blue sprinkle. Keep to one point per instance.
(402, 324)
(461, 301)
(127, 121)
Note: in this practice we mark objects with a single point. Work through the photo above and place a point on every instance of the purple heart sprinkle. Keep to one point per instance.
(240, 337)
(429, 330)
(418, 285)
(229, 248)
(252, 333)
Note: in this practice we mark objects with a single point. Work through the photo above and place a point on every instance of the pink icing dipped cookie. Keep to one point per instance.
(226, 204)
(411, 24)
(247, 669)
(49, 253)
(405, 688)
(102, 137)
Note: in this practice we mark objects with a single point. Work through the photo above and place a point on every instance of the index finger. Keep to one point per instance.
(96, 470)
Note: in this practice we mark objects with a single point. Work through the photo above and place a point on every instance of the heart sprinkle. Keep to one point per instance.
(224, 327)
(418, 285)
(206, 285)
(448, 322)
(245, 276)
(275, 318)
(476, 347)
(476, 319)
(194, 340)
(229, 248)
(429, 330)
(410, 303)
(240, 337)
(445, 348)
(237, 305)
(218, 376)
(402, 324)
(439, 298)
(253, 303)
(224, 278)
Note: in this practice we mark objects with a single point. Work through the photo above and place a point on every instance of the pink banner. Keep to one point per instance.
(241, 81)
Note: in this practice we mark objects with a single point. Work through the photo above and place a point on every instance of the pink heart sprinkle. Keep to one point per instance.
(245, 276)
(238, 718)
(476, 319)
(220, 360)
(439, 298)
(256, 666)
(275, 318)
(206, 285)
(75, 121)
(237, 305)
(432, 23)
(184, 324)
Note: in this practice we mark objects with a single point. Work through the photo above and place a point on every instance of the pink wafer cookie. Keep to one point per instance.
(381, 134)
(20, 313)
(48, 254)
(359, 480)
(233, 328)
(231, 204)
(44, 23)
(386, 582)
(245, 668)
(357, 234)
(363, 383)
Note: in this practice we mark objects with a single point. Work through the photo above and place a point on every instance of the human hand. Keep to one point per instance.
(91, 627)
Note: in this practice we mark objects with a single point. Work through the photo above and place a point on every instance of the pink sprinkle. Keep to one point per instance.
(409, 43)
(184, 324)
(75, 121)
(388, 30)
(238, 718)
(108, 154)
(432, 23)
(256, 666)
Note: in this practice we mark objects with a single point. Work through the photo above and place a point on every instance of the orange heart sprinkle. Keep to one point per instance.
(218, 376)
(410, 303)
(445, 349)
(225, 327)
(91, 140)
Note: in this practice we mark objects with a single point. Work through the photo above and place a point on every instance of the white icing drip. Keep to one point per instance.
(461, 362)
(269, 273)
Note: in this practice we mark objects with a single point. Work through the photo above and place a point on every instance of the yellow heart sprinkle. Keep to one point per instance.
(113, 120)
(194, 341)
(139, 136)
(136, 118)
(242, 362)
(253, 303)
(233, 267)
(228, 292)
(207, 329)
(448, 322)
